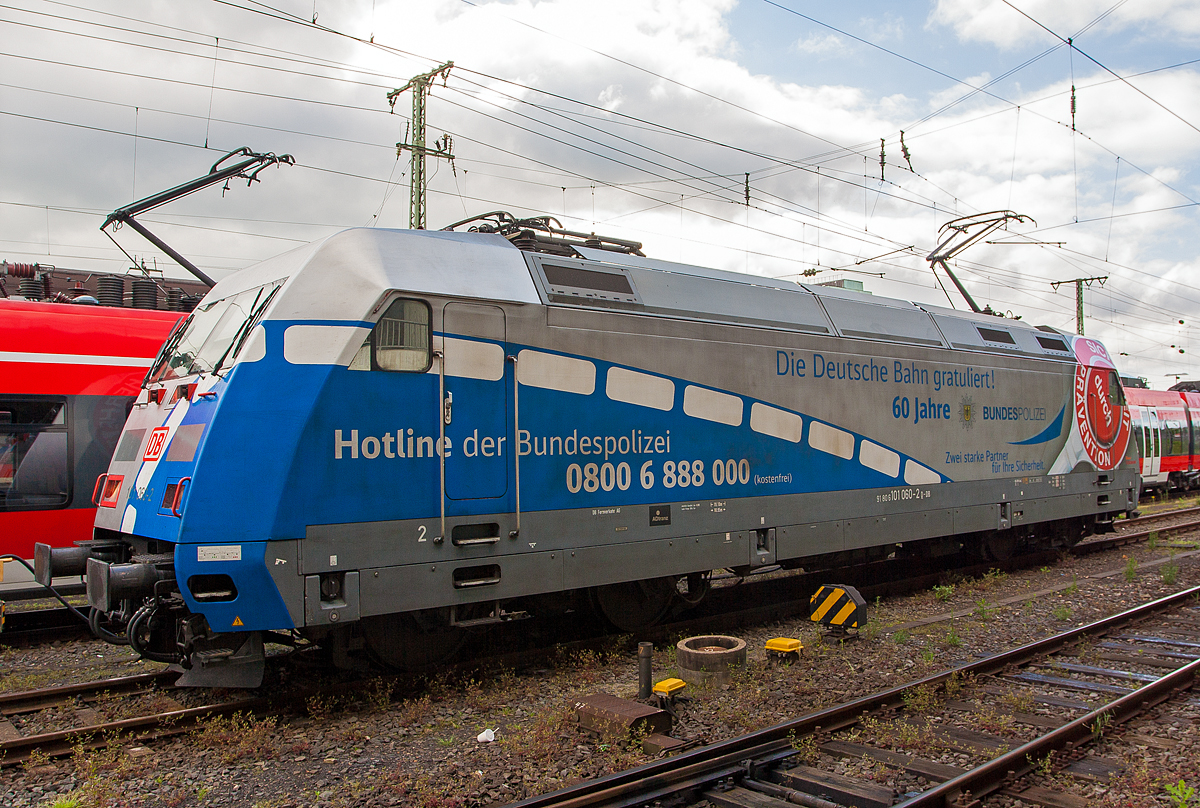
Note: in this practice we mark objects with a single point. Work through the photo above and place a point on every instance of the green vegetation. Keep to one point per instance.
(1181, 794)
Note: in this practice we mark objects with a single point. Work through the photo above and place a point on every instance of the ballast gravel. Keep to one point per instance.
(423, 749)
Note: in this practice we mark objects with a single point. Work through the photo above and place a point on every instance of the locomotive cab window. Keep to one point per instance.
(400, 340)
(34, 460)
(1116, 393)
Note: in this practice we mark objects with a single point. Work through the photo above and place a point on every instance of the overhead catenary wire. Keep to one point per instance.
(611, 184)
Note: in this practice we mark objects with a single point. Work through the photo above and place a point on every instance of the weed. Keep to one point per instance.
(238, 737)
(415, 711)
(321, 707)
(1181, 794)
(1027, 607)
(900, 637)
(1170, 571)
(872, 629)
(992, 718)
(957, 683)
(1152, 541)
(1072, 587)
(202, 793)
(540, 740)
(921, 699)
(1044, 766)
(1101, 724)
(952, 638)
(984, 611)
(71, 801)
(379, 695)
(1131, 569)
(992, 577)
(927, 656)
(37, 759)
(1062, 612)
(943, 592)
(445, 741)
(806, 748)
(1020, 701)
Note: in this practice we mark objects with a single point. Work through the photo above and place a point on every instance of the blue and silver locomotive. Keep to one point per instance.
(382, 437)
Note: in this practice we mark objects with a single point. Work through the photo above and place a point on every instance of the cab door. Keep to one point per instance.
(475, 402)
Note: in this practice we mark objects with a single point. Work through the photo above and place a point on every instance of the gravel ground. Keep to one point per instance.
(421, 749)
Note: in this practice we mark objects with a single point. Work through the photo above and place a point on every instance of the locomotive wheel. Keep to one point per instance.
(635, 605)
(407, 642)
(1000, 545)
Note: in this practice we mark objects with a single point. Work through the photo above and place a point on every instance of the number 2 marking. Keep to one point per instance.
(420, 532)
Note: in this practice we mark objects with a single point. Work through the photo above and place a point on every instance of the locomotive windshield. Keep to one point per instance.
(213, 334)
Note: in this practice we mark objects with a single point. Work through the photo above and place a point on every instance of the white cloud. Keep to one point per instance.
(610, 97)
(820, 44)
(665, 61)
(995, 22)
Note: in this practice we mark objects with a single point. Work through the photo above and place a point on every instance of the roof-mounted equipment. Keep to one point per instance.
(247, 170)
(958, 234)
(544, 234)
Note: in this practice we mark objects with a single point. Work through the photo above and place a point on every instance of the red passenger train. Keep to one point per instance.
(1165, 424)
(68, 375)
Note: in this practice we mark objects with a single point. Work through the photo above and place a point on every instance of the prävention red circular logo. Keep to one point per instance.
(1103, 426)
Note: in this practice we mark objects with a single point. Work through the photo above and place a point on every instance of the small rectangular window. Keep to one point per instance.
(1053, 344)
(35, 471)
(127, 449)
(401, 338)
(576, 278)
(996, 335)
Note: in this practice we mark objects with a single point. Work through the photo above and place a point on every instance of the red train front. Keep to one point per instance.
(68, 373)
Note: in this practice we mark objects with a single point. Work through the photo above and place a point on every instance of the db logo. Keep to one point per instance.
(158, 442)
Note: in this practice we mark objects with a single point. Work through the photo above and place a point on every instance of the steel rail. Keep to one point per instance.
(711, 763)
(991, 776)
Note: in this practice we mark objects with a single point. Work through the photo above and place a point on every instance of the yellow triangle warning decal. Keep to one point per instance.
(237, 621)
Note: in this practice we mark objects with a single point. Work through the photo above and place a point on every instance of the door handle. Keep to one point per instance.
(447, 405)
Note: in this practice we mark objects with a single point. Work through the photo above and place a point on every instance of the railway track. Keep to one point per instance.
(150, 712)
(1018, 714)
(95, 714)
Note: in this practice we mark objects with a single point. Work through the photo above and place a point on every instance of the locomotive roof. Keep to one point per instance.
(342, 277)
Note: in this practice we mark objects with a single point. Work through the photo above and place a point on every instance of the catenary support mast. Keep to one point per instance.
(420, 86)
(1079, 282)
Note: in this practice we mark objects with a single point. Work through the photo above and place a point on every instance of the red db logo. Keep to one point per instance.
(158, 441)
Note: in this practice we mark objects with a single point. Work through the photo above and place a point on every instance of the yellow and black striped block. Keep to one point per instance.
(837, 607)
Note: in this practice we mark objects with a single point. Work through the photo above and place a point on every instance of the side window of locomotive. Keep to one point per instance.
(1116, 392)
(401, 339)
(34, 463)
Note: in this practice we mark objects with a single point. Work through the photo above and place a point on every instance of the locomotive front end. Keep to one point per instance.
(141, 566)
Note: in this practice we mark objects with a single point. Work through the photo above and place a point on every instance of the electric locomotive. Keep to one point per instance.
(386, 436)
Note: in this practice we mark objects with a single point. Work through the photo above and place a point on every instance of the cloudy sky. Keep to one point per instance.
(642, 119)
